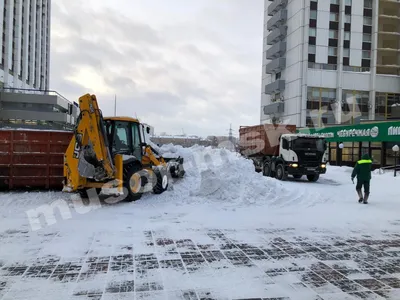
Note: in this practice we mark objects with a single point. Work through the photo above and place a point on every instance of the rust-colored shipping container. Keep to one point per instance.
(32, 158)
(262, 139)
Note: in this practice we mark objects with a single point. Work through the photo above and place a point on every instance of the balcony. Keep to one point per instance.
(277, 20)
(274, 87)
(276, 6)
(276, 50)
(276, 35)
(273, 108)
(276, 65)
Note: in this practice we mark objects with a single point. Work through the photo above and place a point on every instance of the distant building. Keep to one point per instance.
(189, 141)
(184, 141)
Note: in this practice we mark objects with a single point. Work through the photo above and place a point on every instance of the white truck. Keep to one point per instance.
(278, 151)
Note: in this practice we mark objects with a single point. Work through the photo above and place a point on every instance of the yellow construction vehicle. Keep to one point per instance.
(112, 154)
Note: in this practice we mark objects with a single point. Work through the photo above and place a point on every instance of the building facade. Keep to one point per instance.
(375, 138)
(330, 62)
(25, 54)
(25, 98)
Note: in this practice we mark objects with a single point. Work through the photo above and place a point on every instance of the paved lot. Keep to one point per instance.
(207, 264)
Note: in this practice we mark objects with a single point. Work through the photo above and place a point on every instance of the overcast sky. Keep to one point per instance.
(176, 64)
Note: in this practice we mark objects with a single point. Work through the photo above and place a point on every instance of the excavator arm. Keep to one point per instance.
(88, 156)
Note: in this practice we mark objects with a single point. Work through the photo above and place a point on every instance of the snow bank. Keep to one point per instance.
(219, 175)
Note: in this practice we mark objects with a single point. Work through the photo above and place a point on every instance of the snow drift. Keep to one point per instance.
(215, 174)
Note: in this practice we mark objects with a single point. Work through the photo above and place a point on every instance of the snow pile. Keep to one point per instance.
(219, 175)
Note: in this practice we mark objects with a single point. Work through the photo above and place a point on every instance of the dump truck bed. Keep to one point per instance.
(260, 140)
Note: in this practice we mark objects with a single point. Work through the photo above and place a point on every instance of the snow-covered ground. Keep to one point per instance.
(222, 232)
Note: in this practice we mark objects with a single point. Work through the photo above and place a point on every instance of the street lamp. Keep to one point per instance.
(395, 150)
(341, 146)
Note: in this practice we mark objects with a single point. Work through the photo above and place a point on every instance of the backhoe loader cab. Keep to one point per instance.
(124, 137)
(112, 155)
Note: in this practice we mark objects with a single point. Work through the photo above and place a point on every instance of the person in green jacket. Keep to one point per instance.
(362, 170)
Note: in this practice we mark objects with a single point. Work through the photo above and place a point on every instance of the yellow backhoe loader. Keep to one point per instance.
(112, 154)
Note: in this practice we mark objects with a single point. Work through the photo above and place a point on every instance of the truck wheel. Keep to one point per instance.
(266, 169)
(313, 177)
(162, 181)
(297, 176)
(133, 182)
(280, 172)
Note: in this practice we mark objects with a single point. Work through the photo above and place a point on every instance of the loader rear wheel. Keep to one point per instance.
(162, 182)
(133, 182)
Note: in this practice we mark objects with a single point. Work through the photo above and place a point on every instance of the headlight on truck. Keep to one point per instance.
(294, 165)
(323, 166)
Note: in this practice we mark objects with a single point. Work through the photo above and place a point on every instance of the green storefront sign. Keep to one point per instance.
(367, 132)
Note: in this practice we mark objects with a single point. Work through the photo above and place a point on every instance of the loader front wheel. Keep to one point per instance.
(162, 181)
(133, 182)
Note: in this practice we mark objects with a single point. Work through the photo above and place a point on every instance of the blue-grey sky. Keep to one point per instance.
(176, 64)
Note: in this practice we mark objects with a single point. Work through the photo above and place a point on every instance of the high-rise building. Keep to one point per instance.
(25, 44)
(25, 98)
(330, 61)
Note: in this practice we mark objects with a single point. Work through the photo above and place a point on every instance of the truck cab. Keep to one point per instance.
(301, 155)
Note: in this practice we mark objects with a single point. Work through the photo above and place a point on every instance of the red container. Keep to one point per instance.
(32, 158)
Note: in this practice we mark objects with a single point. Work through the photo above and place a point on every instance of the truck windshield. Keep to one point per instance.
(309, 143)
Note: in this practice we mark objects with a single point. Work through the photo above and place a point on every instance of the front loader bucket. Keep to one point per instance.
(175, 167)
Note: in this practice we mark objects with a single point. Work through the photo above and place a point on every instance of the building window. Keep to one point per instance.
(332, 51)
(384, 103)
(334, 17)
(321, 106)
(333, 34)
(334, 1)
(312, 32)
(347, 35)
(367, 38)
(347, 18)
(347, 2)
(368, 3)
(366, 54)
(313, 14)
(311, 49)
(346, 52)
(368, 21)
(355, 104)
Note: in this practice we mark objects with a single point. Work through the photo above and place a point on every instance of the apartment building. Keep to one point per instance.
(25, 44)
(330, 62)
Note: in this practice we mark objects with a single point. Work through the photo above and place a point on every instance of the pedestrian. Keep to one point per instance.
(362, 170)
